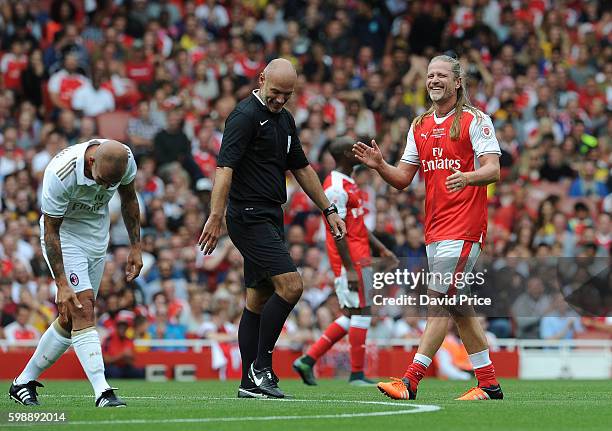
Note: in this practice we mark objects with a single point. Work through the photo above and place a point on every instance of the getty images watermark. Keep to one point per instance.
(438, 281)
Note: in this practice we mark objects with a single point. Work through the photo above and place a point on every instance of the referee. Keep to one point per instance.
(260, 143)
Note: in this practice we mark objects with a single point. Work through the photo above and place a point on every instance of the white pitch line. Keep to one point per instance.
(414, 408)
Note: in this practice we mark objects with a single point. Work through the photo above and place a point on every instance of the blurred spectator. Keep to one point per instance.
(299, 329)
(164, 328)
(272, 24)
(13, 63)
(22, 281)
(197, 313)
(205, 147)
(88, 129)
(410, 325)
(53, 144)
(21, 329)
(172, 145)
(118, 351)
(63, 83)
(93, 100)
(5, 317)
(221, 326)
(452, 359)
(581, 219)
(555, 168)
(381, 327)
(141, 131)
(141, 332)
(67, 126)
(11, 158)
(414, 248)
(586, 185)
(119, 234)
(529, 308)
(561, 322)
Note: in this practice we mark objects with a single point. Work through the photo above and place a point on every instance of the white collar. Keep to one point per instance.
(256, 94)
(344, 176)
(440, 120)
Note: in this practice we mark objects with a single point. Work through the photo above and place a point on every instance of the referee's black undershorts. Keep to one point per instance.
(257, 231)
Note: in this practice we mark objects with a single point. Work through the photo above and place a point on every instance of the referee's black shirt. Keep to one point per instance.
(260, 146)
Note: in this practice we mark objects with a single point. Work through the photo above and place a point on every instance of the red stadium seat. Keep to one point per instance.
(113, 125)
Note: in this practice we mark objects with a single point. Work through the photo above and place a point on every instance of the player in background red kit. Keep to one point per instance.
(455, 147)
(351, 261)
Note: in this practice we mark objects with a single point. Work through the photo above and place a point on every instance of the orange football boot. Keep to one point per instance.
(397, 389)
(478, 393)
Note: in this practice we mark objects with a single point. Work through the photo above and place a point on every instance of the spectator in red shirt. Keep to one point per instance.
(589, 93)
(12, 64)
(20, 329)
(64, 83)
(206, 146)
(118, 351)
(139, 68)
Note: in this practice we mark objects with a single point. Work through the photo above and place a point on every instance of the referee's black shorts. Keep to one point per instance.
(257, 231)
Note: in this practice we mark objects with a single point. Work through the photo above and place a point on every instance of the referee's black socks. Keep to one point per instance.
(273, 317)
(248, 341)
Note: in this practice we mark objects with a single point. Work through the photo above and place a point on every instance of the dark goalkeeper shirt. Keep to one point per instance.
(260, 147)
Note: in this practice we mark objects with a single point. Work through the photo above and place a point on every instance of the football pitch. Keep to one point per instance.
(332, 405)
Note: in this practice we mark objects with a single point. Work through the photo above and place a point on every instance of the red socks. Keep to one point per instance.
(357, 328)
(357, 340)
(483, 368)
(332, 334)
(486, 376)
(415, 373)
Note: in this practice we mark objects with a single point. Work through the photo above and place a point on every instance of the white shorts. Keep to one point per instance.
(82, 272)
(355, 299)
(449, 261)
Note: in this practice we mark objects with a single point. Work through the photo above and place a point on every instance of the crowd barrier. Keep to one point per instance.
(513, 358)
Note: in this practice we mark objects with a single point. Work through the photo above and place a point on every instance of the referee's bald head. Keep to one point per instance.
(110, 162)
(281, 70)
(276, 83)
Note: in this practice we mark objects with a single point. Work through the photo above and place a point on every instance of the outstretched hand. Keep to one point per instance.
(369, 156)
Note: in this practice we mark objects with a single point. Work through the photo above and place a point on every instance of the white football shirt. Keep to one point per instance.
(83, 204)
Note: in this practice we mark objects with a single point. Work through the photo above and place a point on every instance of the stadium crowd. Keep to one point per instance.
(163, 76)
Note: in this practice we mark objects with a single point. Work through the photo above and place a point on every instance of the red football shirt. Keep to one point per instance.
(342, 191)
(11, 67)
(460, 215)
(66, 84)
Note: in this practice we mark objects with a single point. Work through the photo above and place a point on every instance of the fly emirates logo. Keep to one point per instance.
(440, 163)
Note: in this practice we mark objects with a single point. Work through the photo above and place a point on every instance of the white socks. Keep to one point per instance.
(422, 359)
(344, 322)
(54, 343)
(480, 359)
(86, 344)
(359, 321)
(51, 346)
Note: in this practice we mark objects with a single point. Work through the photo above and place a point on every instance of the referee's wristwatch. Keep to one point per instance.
(332, 209)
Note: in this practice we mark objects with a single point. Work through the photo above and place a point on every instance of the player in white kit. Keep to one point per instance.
(77, 186)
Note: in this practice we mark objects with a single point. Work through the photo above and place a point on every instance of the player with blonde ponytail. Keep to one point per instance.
(454, 146)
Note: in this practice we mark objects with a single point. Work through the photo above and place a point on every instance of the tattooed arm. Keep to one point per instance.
(53, 248)
(131, 217)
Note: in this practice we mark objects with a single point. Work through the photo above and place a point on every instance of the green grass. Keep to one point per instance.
(211, 405)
